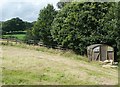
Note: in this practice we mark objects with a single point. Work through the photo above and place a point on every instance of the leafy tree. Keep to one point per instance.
(62, 3)
(118, 30)
(28, 25)
(28, 36)
(110, 27)
(78, 25)
(15, 24)
(41, 29)
(0, 29)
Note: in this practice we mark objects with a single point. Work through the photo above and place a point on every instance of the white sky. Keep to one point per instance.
(27, 10)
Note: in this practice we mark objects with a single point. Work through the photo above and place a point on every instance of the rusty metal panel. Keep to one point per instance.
(110, 55)
(100, 52)
(96, 55)
(103, 52)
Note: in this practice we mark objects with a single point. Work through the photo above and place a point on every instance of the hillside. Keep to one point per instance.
(29, 66)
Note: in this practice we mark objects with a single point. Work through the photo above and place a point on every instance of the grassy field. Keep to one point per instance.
(33, 65)
(18, 36)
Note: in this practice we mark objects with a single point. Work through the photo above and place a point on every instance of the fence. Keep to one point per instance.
(10, 41)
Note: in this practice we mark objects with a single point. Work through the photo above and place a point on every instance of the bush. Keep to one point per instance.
(78, 25)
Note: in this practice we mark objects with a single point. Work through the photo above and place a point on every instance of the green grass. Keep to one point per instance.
(18, 36)
(24, 64)
(46, 76)
(65, 53)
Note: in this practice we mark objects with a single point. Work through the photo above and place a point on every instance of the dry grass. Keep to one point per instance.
(27, 66)
(0, 67)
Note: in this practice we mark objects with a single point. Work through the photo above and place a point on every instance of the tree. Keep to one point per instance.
(15, 24)
(28, 25)
(62, 3)
(78, 25)
(41, 29)
(118, 30)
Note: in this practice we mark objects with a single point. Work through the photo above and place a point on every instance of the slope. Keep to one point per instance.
(29, 66)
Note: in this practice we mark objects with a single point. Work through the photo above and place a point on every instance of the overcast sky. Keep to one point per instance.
(27, 10)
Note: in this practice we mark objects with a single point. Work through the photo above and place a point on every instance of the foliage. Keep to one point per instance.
(75, 26)
(28, 25)
(15, 24)
(29, 36)
(61, 4)
(78, 25)
(118, 30)
(41, 29)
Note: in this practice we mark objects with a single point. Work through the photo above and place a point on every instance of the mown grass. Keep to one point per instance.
(24, 64)
(18, 36)
(48, 77)
(65, 53)
(0, 67)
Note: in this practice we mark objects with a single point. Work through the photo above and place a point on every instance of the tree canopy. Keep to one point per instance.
(78, 25)
(41, 29)
(15, 24)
